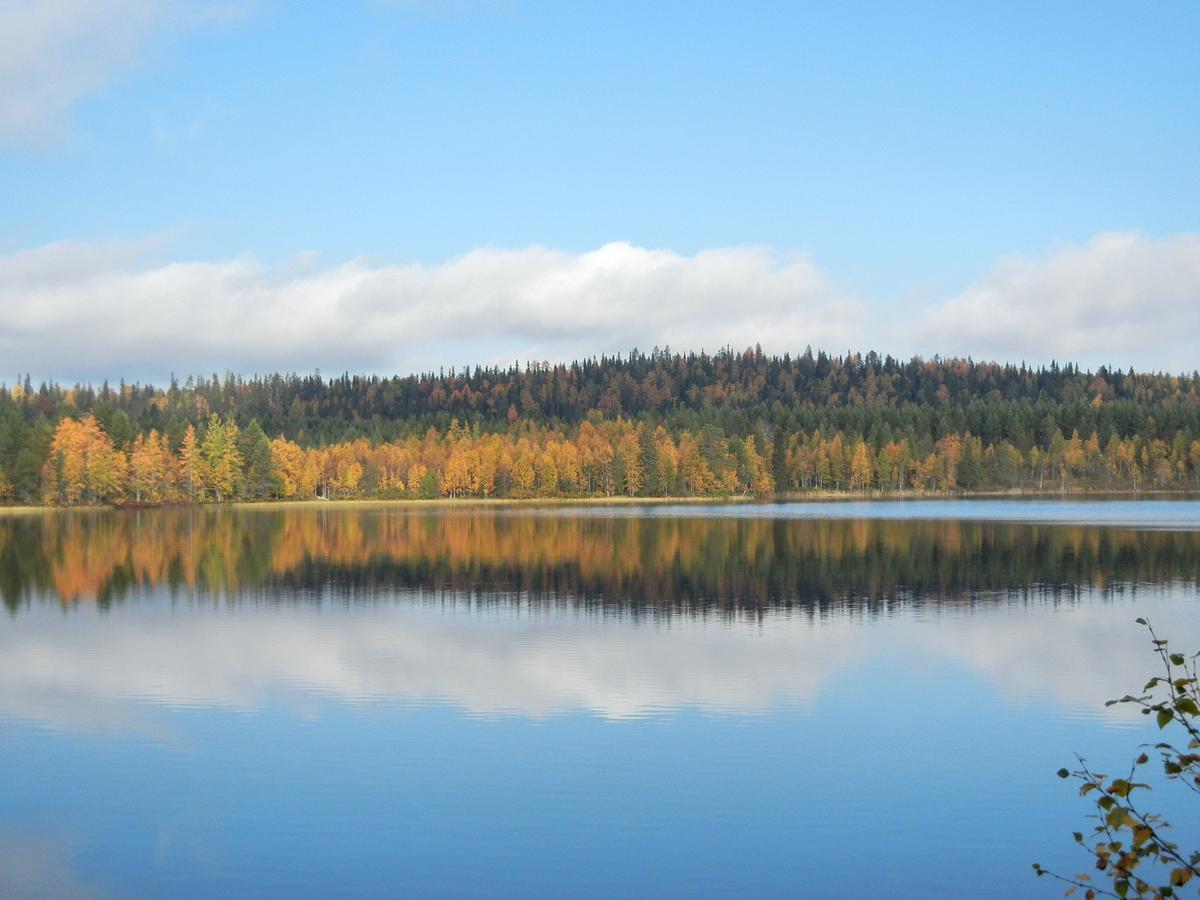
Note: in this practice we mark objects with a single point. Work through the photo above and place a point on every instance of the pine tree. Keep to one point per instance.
(779, 469)
(262, 476)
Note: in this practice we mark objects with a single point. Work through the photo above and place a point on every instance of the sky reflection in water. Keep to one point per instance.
(379, 699)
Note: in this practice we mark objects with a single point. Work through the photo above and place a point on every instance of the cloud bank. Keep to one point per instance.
(87, 311)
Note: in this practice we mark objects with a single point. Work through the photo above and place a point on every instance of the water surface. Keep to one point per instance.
(856, 699)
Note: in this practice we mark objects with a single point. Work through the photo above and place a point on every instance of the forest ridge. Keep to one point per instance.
(658, 424)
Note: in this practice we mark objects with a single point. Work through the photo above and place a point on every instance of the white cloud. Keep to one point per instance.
(87, 310)
(1121, 298)
(93, 310)
(54, 53)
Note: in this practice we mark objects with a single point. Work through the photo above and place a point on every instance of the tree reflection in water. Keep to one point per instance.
(630, 564)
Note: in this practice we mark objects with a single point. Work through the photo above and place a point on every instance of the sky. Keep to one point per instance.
(398, 185)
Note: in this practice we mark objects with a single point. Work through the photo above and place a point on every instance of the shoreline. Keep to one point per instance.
(467, 502)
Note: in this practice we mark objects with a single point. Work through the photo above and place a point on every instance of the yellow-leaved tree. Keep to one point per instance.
(83, 466)
(148, 469)
(222, 458)
(191, 466)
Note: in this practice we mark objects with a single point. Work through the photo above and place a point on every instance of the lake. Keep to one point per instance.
(833, 699)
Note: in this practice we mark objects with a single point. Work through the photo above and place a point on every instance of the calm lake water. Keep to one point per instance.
(836, 699)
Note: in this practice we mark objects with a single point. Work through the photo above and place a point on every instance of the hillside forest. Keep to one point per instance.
(642, 425)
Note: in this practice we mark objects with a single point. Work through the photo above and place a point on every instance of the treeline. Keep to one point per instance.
(646, 425)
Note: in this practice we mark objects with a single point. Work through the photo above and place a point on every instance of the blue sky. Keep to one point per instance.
(904, 157)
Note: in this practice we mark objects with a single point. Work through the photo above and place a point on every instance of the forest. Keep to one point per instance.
(642, 425)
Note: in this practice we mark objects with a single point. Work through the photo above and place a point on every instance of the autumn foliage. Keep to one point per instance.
(601, 459)
(84, 466)
(730, 424)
